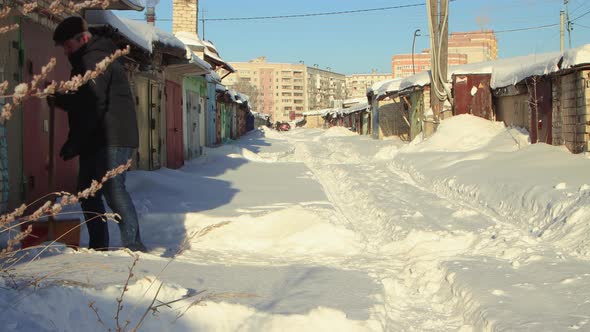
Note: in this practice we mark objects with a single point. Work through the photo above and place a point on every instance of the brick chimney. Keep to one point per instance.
(184, 16)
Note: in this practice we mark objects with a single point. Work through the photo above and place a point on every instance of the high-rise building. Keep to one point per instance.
(464, 47)
(479, 46)
(284, 90)
(357, 84)
(402, 65)
(325, 88)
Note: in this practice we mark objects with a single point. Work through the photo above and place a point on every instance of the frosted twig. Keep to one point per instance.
(29, 7)
(8, 28)
(88, 4)
(4, 12)
(23, 91)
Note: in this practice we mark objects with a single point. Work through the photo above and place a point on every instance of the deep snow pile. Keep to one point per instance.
(542, 189)
(472, 229)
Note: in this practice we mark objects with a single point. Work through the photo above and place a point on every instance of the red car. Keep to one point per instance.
(284, 127)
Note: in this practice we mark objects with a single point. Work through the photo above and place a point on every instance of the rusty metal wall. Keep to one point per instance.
(473, 95)
(12, 193)
(513, 110)
(391, 119)
(38, 48)
(540, 104)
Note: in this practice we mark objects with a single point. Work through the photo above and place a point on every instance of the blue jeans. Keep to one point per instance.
(93, 166)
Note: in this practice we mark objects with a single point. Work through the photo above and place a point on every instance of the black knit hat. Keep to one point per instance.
(69, 28)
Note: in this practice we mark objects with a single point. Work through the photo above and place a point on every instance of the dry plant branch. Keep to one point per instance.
(57, 8)
(95, 309)
(29, 7)
(23, 91)
(125, 289)
(89, 4)
(4, 12)
(138, 325)
(181, 249)
(8, 28)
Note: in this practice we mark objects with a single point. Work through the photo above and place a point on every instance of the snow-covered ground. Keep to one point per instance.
(472, 229)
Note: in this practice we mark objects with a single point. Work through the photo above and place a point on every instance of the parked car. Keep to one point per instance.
(284, 126)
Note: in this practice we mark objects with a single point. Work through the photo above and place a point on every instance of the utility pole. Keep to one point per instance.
(561, 30)
(569, 23)
(438, 54)
(434, 34)
(444, 42)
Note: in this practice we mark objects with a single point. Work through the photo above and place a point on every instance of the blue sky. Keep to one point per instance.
(357, 43)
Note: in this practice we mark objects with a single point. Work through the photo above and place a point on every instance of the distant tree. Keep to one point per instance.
(244, 86)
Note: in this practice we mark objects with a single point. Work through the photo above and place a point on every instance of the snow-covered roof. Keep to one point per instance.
(196, 60)
(260, 115)
(510, 71)
(504, 72)
(142, 34)
(339, 111)
(321, 112)
(127, 4)
(189, 38)
(220, 88)
(210, 51)
(576, 56)
(399, 84)
(354, 101)
(213, 77)
(356, 108)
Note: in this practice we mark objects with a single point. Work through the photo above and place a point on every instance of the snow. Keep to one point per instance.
(189, 38)
(471, 229)
(142, 34)
(576, 56)
(504, 72)
(196, 60)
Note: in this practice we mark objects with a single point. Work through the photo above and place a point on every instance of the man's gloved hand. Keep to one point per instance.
(51, 101)
(69, 150)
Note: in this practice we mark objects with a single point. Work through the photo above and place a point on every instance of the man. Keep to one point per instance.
(103, 131)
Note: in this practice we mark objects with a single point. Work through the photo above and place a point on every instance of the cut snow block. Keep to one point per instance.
(65, 231)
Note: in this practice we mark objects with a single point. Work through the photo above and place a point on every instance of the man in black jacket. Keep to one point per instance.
(103, 131)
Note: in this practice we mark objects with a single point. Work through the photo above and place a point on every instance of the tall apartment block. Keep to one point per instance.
(357, 84)
(464, 47)
(286, 90)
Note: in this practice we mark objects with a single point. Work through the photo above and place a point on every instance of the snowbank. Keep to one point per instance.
(541, 189)
(339, 132)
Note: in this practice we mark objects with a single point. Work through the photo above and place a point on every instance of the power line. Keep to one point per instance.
(302, 15)
(529, 28)
(315, 14)
(586, 13)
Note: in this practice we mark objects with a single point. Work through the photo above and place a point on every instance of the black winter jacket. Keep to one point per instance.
(102, 112)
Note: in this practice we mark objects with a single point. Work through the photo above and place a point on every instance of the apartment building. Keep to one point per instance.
(325, 89)
(479, 46)
(284, 90)
(402, 66)
(357, 84)
(464, 47)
